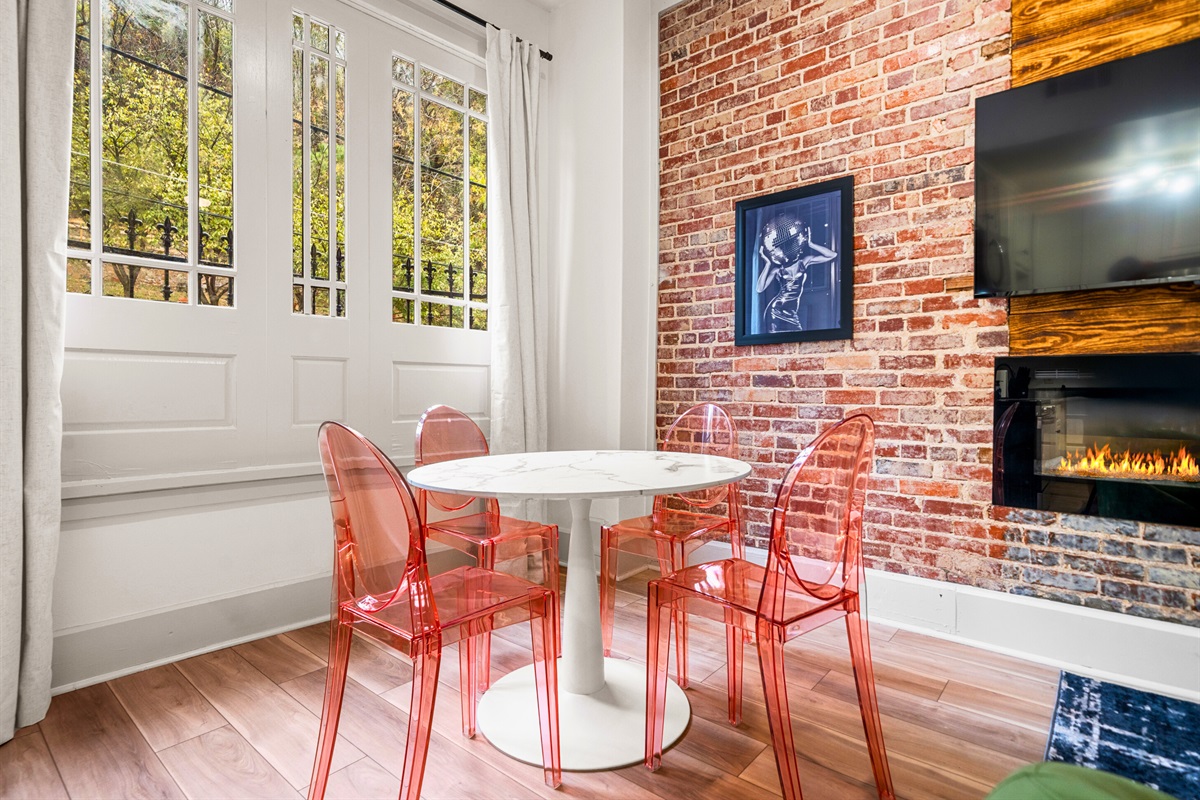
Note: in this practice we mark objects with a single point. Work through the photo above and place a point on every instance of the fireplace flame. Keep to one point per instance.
(1102, 462)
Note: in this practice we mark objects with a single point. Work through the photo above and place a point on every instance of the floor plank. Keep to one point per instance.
(374, 667)
(99, 750)
(165, 707)
(28, 770)
(281, 729)
(362, 780)
(221, 763)
(280, 658)
(378, 728)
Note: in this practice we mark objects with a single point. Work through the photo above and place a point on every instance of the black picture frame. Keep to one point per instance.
(795, 303)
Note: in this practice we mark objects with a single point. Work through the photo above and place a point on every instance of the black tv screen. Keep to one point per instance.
(1091, 179)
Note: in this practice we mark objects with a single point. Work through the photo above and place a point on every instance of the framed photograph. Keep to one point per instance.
(795, 265)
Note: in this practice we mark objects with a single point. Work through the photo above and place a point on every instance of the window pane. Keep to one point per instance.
(478, 243)
(214, 290)
(402, 70)
(441, 209)
(319, 36)
(340, 170)
(298, 163)
(339, 44)
(318, 155)
(320, 301)
(440, 86)
(402, 225)
(297, 298)
(215, 157)
(402, 310)
(441, 138)
(79, 214)
(440, 315)
(340, 311)
(478, 151)
(478, 319)
(79, 276)
(145, 283)
(477, 101)
(145, 127)
(224, 5)
(403, 193)
(297, 27)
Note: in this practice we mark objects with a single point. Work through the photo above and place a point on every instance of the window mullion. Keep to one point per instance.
(95, 141)
(418, 178)
(465, 255)
(193, 136)
(306, 162)
(330, 176)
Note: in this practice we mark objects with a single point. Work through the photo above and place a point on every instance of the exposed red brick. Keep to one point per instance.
(759, 96)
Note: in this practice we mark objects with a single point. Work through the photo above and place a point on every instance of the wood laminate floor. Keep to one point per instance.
(242, 722)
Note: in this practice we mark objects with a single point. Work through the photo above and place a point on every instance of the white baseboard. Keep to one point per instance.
(1161, 657)
(97, 653)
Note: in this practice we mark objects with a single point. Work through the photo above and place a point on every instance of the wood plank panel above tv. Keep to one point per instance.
(1139, 319)
(1054, 37)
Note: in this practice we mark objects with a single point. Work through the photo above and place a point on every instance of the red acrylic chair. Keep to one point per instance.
(677, 524)
(812, 576)
(382, 589)
(445, 434)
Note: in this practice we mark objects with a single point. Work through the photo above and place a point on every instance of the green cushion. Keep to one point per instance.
(1055, 781)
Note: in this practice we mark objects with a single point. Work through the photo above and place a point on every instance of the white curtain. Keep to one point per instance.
(517, 291)
(36, 48)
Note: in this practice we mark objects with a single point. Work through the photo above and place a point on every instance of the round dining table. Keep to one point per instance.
(602, 701)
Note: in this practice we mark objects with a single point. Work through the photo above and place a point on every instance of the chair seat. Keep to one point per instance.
(736, 585)
(480, 528)
(675, 525)
(469, 601)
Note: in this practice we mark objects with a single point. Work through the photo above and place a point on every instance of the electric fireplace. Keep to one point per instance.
(1112, 436)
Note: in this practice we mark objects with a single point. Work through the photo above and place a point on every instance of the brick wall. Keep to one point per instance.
(759, 96)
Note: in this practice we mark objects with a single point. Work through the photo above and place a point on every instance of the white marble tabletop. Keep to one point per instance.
(579, 473)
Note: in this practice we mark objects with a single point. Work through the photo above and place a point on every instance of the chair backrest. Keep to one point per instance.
(816, 526)
(446, 434)
(379, 556)
(705, 428)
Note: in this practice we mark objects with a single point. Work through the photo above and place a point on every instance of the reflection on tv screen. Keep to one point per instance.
(1091, 180)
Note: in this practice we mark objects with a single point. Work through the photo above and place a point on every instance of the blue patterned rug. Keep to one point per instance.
(1146, 737)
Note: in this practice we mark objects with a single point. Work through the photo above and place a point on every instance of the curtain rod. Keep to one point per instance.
(462, 12)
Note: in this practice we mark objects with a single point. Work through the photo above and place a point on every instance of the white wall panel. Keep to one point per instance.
(319, 390)
(416, 387)
(127, 390)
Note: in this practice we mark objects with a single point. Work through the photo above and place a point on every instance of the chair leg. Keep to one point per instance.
(670, 559)
(331, 710)
(735, 644)
(658, 649)
(608, 589)
(483, 674)
(864, 679)
(550, 570)
(420, 721)
(770, 656)
(543, 631)
(468, 682)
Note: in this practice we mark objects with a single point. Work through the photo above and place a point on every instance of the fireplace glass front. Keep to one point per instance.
(1111, 436)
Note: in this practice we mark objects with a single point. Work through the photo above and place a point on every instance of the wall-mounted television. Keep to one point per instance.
(1092, 179)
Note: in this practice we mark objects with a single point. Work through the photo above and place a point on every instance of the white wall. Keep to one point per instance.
(602, 235)
(181, 565)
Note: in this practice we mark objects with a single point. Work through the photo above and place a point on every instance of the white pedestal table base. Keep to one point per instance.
(604, 730)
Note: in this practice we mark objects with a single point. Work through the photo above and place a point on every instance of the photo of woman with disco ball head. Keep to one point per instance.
(785, 255)
(794, 264)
